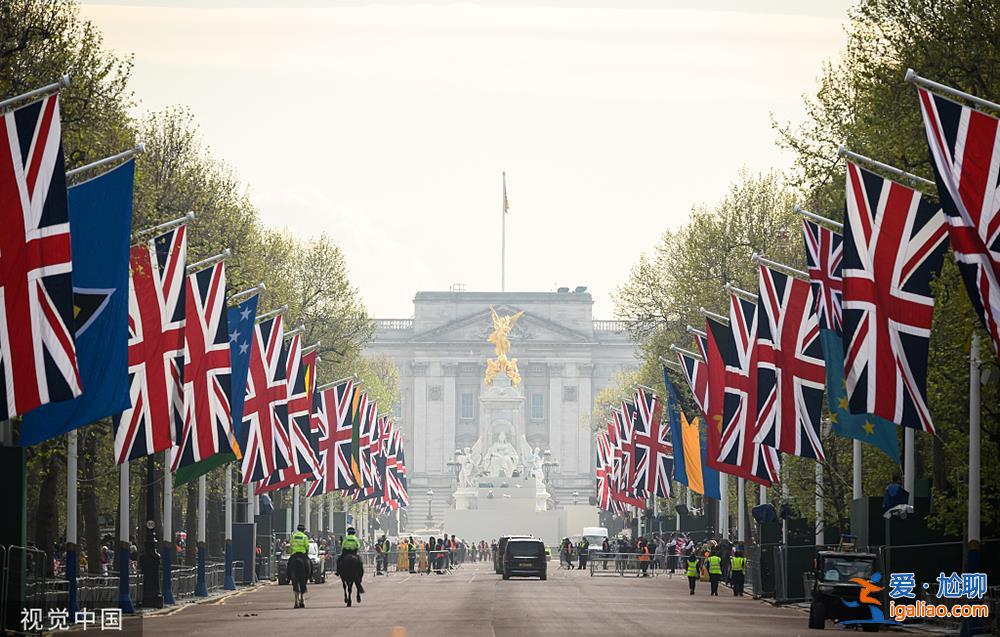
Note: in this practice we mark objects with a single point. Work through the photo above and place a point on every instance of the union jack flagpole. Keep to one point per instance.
(931, 85)
(49, 89)
(820, 219)
(204, 263)
(712, 315)
(780, 267)
(890, 170)
(163, 227)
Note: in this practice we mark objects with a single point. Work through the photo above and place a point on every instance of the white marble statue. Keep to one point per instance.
(499, 461)
(467, 474)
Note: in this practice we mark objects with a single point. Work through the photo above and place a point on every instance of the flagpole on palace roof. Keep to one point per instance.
(503, 237)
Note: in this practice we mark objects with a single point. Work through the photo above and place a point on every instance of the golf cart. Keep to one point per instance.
(832, 586)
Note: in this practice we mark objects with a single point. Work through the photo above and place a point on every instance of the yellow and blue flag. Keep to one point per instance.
(690, 467)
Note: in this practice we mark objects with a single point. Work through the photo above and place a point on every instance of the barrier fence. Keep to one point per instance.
(622, 564)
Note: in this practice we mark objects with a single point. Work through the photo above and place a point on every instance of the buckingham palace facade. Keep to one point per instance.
(565, 357)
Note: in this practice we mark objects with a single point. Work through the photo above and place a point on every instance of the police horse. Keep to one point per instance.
(351, 572)
(299, 568)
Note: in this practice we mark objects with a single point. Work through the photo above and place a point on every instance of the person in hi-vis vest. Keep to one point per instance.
(692, 570)
(738, 573)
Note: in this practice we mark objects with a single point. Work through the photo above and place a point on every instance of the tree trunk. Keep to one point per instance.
(47, 511)
(88, 501)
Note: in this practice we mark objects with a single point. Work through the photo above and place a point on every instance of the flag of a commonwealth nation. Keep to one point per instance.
(864, 427)
(690, 466)
(100, 215)
(241, 321)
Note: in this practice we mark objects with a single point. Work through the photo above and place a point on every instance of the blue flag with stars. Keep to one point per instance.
(241, 323)
(864, 427)
(100, 218)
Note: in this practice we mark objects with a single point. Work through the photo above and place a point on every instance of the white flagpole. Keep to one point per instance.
(72, 553)
(820, 523)
(321, 503)
(909, 462)
(308, 514)
(741, 515)
(856, 469)
(295, 508)
(763, 495)
(503, 237)
(723, 505)
(974, 443)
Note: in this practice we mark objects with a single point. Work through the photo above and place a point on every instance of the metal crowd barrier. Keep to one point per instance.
(622, 564)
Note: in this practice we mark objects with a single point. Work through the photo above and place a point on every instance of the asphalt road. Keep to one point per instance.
(472, 601)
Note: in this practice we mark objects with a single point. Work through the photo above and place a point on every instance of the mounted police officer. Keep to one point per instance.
(299, 542)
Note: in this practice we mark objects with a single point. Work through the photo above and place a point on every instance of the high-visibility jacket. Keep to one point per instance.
(350, 543)
(692, 567)
(299, 543)
(714, 565)
(738, 564)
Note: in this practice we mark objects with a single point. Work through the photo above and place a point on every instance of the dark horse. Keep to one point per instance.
(351, 571)
(298, 568)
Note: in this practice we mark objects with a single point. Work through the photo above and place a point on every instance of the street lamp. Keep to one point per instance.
(548, 467)
(454, 465)
(576, 494)
(430, 496)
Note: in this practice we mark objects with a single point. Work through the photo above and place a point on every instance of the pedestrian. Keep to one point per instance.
(692, 570)
(714, 570)
(582, 549)
(643, 550)
(738, 573)
(411, 553)
(605, 549)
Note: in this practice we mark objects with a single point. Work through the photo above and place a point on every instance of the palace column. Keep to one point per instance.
(556, 443)
(447, 444)
(419, 417)
(585, 440)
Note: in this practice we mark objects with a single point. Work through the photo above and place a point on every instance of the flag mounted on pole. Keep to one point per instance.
(155, 348)
(265, 410)
(965, 151)
(100, 213)
(824, 252)
(894, 243)
(653, 451)
(208, 421)
(690, 468)
(38, 362)
(791, 371)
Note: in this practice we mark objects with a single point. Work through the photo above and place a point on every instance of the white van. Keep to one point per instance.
(595, 536)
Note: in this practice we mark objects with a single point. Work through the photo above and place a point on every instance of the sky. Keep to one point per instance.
(386, 126)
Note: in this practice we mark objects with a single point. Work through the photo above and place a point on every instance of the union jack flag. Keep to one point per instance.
(824, 253)
(737, 447)
(208, 423)
(653, 451)
(267, 448)
(395, 471)
(603, 471)
(965, 148)
(368, 455)
(37, 346)
(304, 463)
(624, 423)
(325, 410)
(156, 316)
(791, 372)
(337, 403)
(894, 243)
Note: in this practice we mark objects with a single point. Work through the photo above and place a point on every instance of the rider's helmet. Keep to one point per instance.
(301, 527)
(350, 530)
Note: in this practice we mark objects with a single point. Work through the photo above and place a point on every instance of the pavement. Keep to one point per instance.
(472, 601)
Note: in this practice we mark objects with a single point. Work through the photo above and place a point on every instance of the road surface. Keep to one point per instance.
(472, 602)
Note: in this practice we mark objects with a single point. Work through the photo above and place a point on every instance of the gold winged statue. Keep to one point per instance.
(502, 325)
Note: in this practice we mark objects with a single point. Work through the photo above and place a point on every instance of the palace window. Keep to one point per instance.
(467, 408)
(538, 407)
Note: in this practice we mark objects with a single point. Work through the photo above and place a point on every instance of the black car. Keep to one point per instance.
(525, 557)
(501, 545)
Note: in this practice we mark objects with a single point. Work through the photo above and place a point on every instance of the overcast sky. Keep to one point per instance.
(387, 125)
